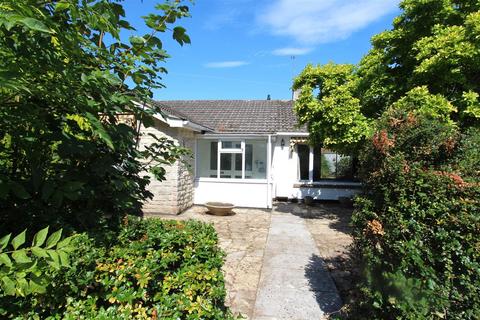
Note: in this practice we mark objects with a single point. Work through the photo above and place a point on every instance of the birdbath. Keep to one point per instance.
(220, 208)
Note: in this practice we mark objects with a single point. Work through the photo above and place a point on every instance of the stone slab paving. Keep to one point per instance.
(328, 224)
(294, 282)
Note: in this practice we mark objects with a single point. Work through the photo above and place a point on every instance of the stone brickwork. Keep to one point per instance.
(175, 194)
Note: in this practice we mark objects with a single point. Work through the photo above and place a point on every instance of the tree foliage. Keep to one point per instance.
(333, 115)
(67, 80)
(433, 48)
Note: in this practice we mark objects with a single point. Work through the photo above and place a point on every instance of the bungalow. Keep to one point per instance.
(246, 152)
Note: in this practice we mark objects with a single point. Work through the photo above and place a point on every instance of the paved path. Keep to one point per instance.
(294, 283)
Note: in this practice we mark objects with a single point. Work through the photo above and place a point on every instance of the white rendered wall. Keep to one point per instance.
(241, 194)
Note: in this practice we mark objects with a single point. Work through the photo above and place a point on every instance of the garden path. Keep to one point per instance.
(274, 267)
(294, 282)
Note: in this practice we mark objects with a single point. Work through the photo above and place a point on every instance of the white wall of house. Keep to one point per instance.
(239, 193)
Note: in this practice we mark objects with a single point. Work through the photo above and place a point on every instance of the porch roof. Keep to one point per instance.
(237, 116)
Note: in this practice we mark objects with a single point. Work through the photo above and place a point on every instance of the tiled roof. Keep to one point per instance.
(236, 116)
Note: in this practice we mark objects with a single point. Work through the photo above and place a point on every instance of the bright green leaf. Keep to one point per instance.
(40, 237)
(4, 241)
(53, 239)
(39, 252)
(8, 286)
(19, 240)
(20, 256)
(5, 260)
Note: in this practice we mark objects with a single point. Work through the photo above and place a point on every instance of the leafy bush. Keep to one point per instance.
(153, 269)
(417, 226)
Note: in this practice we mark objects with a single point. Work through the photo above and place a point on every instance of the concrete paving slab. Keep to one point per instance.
(294, 283)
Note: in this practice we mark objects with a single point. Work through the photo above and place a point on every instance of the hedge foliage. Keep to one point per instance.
(417, 226)
(152, 269)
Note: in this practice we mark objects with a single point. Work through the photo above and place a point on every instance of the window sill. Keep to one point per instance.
(231, 180)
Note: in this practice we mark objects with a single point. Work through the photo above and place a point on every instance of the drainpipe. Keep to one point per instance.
(269, 178)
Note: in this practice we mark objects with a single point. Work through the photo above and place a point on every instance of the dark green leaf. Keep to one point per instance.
(36, 25)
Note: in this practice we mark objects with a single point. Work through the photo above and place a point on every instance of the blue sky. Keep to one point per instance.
(241, 49)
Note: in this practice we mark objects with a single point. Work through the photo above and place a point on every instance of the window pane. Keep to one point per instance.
(344, 167)
(238, 162)
(303, 154)
(207, 158)
(225, 161)
(328, 162)
(213, 155)
(248, 157)
(256, 159)
(231, 144)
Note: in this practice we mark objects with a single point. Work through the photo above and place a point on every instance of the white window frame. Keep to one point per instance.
(241, 151)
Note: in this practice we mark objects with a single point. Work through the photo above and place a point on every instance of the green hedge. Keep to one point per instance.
(417, 226)
(152, 269)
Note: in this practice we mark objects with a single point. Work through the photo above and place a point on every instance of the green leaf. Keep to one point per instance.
(61, 6)
(180, 36)
(36, 286)
(23, 287)
(40, 237)
(4, 241)
(64, 259)
(36, 25)
(8, 286)
(5, 259)
(137, 41)
(39, 252)
(55, 259)
(64, 243)
(19, 240)
(53, 239)
(99, 130)
(20, 256)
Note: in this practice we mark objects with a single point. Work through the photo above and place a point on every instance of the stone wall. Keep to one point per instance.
(175, 194)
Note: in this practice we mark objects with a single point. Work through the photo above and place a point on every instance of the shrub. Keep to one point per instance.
(155, 269)
(417, 225)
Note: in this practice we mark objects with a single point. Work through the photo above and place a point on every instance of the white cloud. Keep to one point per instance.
(291, 51)
(225, 64)
(322, 21)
